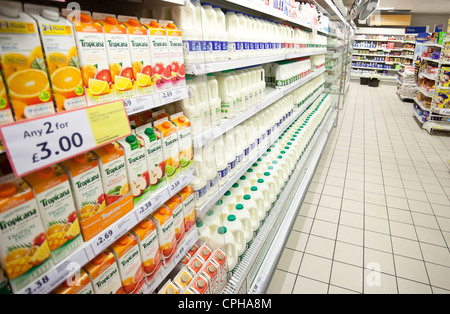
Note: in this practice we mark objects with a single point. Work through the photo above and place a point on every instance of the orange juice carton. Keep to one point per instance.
(163, 220)
(78, 284)
(193, 250)
(183, 278)
(136, 161)
(86, 183)
(23, 64)
(6, 115)
(169, 135)
(187, 194)
(175, 203)
(200, 285)
(147, 236)
(220, 260)
(113, 172)
(210, 271)
(104, 274)
(169, 288)
(176, 53)
(93, 58)
(160, 55)
(160, 114)
(57, 209)
(195, 265)
(185, 259)
(119, 55)
(204, 252)
(140, 55)
(155, 157)
(184, 141)
(24, 251)
(126, 252)
(61, 56)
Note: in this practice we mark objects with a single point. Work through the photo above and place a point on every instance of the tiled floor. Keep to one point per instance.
(376, 218)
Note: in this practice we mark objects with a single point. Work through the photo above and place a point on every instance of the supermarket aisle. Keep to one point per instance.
(376, 218)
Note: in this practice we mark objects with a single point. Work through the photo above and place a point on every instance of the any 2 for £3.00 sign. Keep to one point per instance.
(39, 143)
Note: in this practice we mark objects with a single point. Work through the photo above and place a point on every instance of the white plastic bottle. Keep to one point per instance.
(221, 160)
(209, 169)
(203, 99)
(242, 35)
(243, 215)
(228, 203)
(212, 220)
(252, 207)
(232, 26)
(230, 150)
(211, 33)
(239, 142)
(237, 192)
(227, 93)
(199, 184)
(224, 240)
(190, 107)
(221, 32)
(237, 92)
(251, 176)
(204, 232)
(258, 197)
(234, 226)
(214, 100)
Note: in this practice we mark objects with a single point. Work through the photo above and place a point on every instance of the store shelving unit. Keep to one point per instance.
(260, 259)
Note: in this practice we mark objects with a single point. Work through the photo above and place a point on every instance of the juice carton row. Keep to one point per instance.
(137, 257)
(58, 61)
(63, 204)
(236, 219)
(201, 271)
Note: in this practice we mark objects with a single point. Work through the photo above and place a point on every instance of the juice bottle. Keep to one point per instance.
(163, 220)
(77, 285)
(187, 194)
(140, 55)
(175, 204)
(138, 176)
(169, 135)
(87, 189)
(91, 47)
(155, 158)
(104, 274)
(55, 202)
(159, 49)
(113, 172)
(184, 141)
(23, 64)
(147, 236)
(176, 52)
(58, 42)
(24, 250)
(119, 56)
(126, 252)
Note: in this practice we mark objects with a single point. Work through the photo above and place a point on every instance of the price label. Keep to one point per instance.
(173, 95)
(39, 143)
(444, 111)
(39, 285)
(139, 104)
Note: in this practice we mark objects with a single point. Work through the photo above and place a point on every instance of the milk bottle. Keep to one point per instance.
(191, 107)
(221, 160)
(210, 33)
(230, 152)
(237, 192)
(212, 220)
(251, 176)
(202, 86)
(243, 42)
(185, 17)
(233, 31)
(214, 100)
(222, 35)
(252, 207)
(199, 183)
(228, 204)
(243, 215)
(238, 92)
(239, 135)
(258, 197)
(224, 240)
(209, 170)
(245, 184)
(234, 226)
(204, 233)
(227, 93)
(245, 89)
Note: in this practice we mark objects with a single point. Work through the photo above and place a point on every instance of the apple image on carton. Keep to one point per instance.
(138, 186)
(156, 174)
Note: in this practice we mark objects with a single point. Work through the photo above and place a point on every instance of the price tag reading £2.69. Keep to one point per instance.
(38, 143)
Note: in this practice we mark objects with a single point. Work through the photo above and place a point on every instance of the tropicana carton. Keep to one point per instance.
(163, 220)
(24, 250)
(104, 274)
(169, 135)
(58, 42)
(22, 63)
(78, 284)
(59, 217)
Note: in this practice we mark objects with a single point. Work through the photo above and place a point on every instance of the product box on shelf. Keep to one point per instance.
(159, 49)
(140, 55)
(183, 278)
(147, 236)
(136, 161)
(57, 209)
(23, 64)
(104, 274)
(6, 115)
(176, 52)
(90, 200)
(24, 250)
(184, 141)
(163, 220)
(175, 204)
(93, 58)
(61, 56)
(187, 194)
(169, 288)
(76, 285)
(119, 55)
(126, 252)
(442, 98)
(169, 136)
(155, 157)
